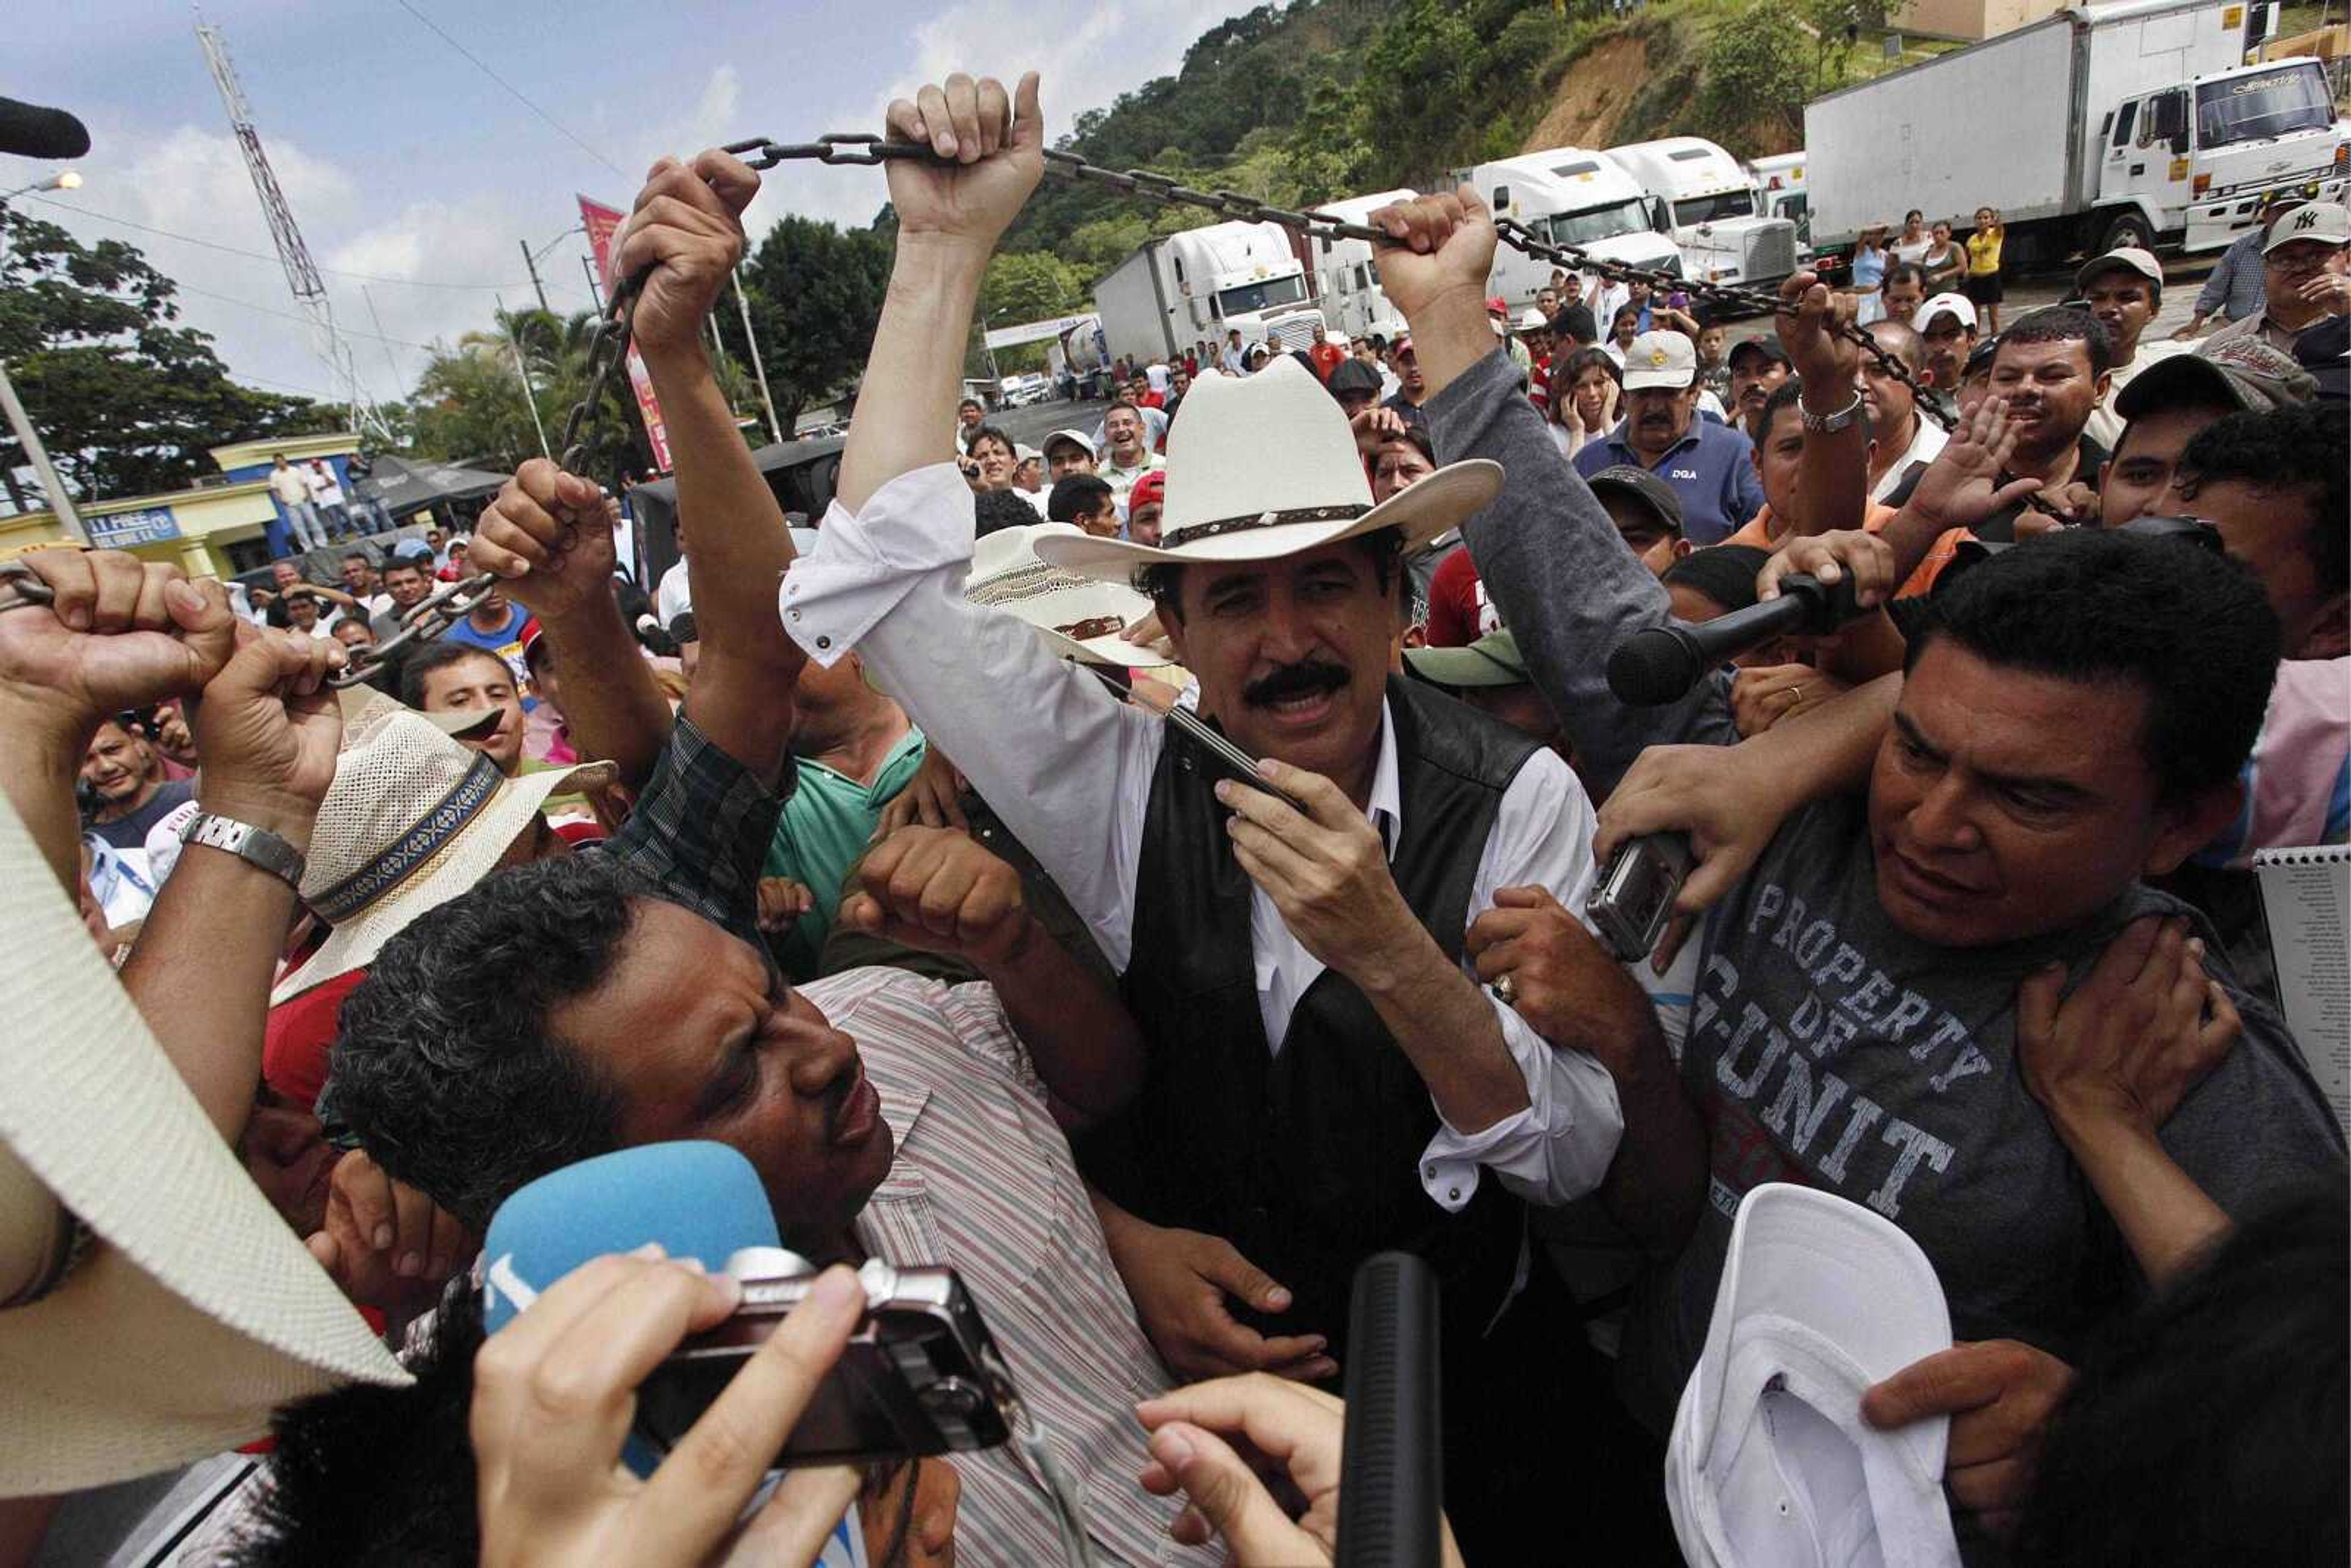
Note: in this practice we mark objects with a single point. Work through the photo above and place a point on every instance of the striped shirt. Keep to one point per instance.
(983, 1181)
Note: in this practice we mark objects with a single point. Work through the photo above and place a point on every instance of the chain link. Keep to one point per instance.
(609, 347)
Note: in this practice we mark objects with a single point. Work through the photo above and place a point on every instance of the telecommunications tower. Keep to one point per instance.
(301, 272)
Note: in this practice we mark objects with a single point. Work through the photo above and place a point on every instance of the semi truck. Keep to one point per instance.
(1710, 203)
(1182, 290)
(1079, 358)
(1570, 195)
(2100, 126)
(1346, 280)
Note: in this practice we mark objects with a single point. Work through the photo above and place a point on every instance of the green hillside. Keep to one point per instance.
(1322, 99)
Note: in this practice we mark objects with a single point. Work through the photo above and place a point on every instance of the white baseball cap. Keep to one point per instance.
(1660, 360)
(1770, 1464)
(1958, 307)
(2329, 223)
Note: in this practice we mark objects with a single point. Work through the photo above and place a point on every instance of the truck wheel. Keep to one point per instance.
(2129, 231)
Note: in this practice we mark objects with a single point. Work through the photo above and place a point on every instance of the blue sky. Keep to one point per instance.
(414, 175)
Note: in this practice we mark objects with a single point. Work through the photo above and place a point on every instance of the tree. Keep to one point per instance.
(1757, 69)
(1031, 285)
(126, 399)
(815, 292)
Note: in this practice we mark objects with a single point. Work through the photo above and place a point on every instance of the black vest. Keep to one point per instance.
(1307, 1161)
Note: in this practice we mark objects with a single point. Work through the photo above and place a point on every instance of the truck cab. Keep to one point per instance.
(1346, 281)
(1710, 207)
(2194, 158)
(1570, 195)
(1780, 192)
(1245, 278)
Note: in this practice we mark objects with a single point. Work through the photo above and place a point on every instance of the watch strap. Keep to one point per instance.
(257, 846)
(1830, 424)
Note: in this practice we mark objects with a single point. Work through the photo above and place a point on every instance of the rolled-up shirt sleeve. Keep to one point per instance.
(1559, 1146)
(1065, 764)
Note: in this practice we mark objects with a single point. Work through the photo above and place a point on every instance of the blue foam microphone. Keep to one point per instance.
(699, 1200)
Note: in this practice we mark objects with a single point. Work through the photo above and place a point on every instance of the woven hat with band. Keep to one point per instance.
(1266, 466)
(412, 820)
(1080, 618)
(195, 1310)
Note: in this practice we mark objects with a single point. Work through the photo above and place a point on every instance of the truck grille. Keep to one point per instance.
(1770, 253)
(1296, 332)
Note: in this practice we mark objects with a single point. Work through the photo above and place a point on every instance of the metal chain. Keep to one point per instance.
(608, 349)
(870, 149)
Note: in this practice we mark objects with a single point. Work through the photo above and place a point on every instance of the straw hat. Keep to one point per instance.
(198, 1310)
(1266, 467)
(412, 820)
(1079, 618)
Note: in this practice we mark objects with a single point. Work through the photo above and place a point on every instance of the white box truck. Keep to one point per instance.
(1184, 288)
(1346, 280)
(1570, 195)
(1710, 202)
(2099, 126)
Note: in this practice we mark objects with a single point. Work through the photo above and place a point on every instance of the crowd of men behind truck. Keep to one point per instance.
(2150, 123)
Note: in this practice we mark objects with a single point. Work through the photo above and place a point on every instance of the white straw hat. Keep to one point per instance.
(412, 820)
(1771, 1465)
(197, 1311)
(1266, 466)
(1080, 617)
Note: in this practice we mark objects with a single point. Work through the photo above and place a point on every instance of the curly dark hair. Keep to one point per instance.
(2303, 447)
(2189, 627)
(444, 1065)
(1163, 585)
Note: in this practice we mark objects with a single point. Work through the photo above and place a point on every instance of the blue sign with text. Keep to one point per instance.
(120, 530)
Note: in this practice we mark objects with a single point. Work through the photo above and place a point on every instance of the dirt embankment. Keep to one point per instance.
(1593, 96)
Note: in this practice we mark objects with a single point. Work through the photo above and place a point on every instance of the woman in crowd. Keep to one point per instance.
(1583, 408)
(1869, 260)
(1983, 267)
(1946, 261)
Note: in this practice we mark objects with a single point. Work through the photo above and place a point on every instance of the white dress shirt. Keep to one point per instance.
(673, 595)
(1924, 446)
(1070, 768)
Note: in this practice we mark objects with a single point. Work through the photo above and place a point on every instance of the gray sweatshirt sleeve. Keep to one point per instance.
(2215, 292)
(1563, 578)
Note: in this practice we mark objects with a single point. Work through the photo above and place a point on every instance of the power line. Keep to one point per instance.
(517, 92)
(290, 316)
(78, 209)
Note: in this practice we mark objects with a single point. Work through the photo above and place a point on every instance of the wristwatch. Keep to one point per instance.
(246, 842)
(1830, 424)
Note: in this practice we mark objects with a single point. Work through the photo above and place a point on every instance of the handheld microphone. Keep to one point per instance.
(1659, 664)
(28, 131)
(699, 1200)
(1392, 1469)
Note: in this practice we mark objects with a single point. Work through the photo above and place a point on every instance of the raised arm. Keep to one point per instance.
(1836, 473)
(1550, 557)
(687, 227)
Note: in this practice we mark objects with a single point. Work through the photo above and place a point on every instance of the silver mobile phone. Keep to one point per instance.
(1636, 895)
(921, 1374)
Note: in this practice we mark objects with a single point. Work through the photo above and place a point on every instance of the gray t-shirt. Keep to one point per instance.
(1829, 1048)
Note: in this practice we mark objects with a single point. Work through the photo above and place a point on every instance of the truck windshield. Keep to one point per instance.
(2249, 107)
(1596, 223)
(1251, 298)
(1714, 209)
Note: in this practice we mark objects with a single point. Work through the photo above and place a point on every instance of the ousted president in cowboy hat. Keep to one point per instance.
(1327, 1077)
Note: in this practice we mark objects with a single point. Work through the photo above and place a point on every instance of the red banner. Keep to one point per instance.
(602, 223)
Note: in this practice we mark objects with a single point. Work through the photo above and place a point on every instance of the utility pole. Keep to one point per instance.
(530, 265)
(759, 367)
(61, 503)
(529, 398)
(595, 289)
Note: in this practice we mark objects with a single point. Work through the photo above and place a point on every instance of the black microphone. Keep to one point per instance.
(1659, 664)
(28, 131)
(1391, 1470)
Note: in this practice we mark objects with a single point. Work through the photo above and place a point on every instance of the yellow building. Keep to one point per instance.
(208, 530)
(1969, 19)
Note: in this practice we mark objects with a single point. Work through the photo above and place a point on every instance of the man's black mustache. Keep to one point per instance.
(1310, 679)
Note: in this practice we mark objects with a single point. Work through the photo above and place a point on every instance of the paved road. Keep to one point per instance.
(1030, 425)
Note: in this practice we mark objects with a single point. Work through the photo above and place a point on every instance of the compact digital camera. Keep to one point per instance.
(1636, 895)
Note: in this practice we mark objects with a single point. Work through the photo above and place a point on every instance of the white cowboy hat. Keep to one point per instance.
(1267, 467)
(1080, 618)
(412, 820)
(195, 1310)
